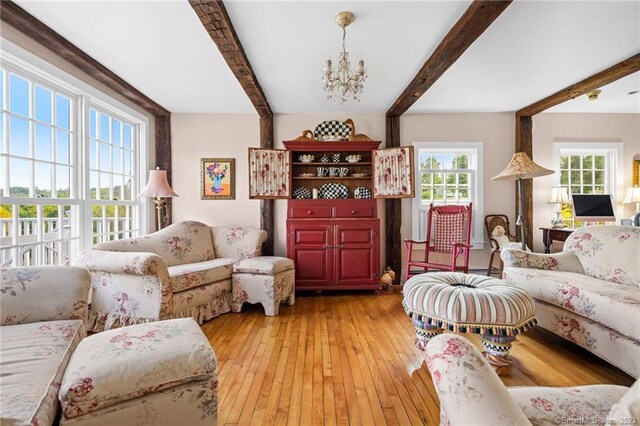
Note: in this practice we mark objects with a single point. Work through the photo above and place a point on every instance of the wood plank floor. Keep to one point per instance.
(350, 359)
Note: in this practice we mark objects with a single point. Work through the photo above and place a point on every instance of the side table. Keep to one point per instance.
(549, 235)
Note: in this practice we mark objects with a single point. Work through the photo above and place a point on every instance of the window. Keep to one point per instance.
(448, 173)
(586, 170)
(66, 182)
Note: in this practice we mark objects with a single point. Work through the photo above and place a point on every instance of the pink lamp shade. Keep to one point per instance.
(158, 186)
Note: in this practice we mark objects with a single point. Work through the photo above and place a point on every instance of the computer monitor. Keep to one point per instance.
(593, 207)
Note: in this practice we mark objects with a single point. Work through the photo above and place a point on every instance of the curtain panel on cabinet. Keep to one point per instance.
(393, 172)
(269, 173)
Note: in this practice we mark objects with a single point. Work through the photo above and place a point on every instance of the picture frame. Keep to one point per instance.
(636, 172)
(217, 178)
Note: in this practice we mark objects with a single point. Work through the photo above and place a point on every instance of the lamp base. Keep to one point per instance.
(556, 222)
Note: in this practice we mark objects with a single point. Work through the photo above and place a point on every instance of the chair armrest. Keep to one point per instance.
(115, 262)
(406, 240)
(470, 392)
(462, 245)
(43, 293)
(564, 261)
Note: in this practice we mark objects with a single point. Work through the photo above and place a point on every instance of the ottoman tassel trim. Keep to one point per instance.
(492, 329)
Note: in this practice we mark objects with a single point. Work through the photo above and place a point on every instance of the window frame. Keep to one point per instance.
(24, 64)
(614, 168)
(476, 186)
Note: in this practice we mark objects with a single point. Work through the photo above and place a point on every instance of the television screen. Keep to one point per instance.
(593, 207)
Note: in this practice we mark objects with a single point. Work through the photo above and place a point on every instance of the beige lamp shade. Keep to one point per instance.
(521, 166)
(158, 186)
(559, 196)
(632, 195)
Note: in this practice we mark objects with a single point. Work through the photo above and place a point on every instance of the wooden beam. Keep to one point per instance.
(21, 20)
(216, 21)
(267, 219)
(393, 207)
(524, 143)
(616, 72)
(478, 17)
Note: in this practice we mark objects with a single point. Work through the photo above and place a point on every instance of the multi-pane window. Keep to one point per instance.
(585, 170)
(65, 182)
(447, 173)
(112, 176)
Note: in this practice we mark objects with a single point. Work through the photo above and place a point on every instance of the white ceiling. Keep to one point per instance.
(531, 51)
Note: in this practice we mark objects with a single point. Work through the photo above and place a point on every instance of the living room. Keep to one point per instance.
(558, 81)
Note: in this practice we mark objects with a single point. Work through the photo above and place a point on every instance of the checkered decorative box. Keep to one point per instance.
(333, 190)
(361, 192)
(300, 193)
(332, 130)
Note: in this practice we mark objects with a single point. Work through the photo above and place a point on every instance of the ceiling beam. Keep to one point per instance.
(216, 21)
(477, 18)
(20, 19)
(616, 72)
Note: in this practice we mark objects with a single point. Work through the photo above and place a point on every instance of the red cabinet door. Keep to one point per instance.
(310, 247)
(356, 253)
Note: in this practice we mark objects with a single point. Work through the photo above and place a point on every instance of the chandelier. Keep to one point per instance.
(343, 83)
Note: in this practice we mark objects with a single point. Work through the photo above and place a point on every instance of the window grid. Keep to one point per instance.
(42, 205)
(39, 207)
(441, 184)
(583, 174)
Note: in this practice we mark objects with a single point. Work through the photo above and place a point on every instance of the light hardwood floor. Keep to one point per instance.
(350, 359)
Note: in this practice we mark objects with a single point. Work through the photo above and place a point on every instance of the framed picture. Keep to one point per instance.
(217, 178)
(636, 172)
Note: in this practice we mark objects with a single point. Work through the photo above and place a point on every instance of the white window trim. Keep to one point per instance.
(614, 150)
(476, 184)
(14, 57)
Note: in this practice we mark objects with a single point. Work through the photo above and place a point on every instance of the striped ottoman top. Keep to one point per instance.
(468, 303)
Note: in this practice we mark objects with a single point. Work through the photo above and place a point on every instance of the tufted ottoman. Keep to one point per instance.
(160, 373)
(465, 303)
(268, 280)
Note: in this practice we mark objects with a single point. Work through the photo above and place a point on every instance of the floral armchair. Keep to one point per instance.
(471, 393)
(183, 270)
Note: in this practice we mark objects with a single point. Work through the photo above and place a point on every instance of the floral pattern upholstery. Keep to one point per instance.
(43, 312)
(552, 406)
(628, 407)
(167, 274)
(470, 392)
(267, 280)
(168, 365)
(589, 293)
(177, 244)
(33, 358)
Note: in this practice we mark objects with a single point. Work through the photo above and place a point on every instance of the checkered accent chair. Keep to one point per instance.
(448, 241)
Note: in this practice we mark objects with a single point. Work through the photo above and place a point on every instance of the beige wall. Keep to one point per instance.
(584, 128)
(196, 136)
(496, 131)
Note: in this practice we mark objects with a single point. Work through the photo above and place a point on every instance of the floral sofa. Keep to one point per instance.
(471, 393)
(43, 309)
(183, 270)
(589, 293)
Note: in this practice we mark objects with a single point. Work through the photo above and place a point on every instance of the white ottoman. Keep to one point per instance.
(268, 280)
(160, 373)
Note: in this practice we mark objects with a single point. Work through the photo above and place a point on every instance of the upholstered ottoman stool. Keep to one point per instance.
(268, 280)
(158, 373)
(465, 303)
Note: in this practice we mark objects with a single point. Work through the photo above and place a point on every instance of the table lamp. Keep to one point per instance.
(633, 196)
(522, 167)
(559, 196)
(158, 188)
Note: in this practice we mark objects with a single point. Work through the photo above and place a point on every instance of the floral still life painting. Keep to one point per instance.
(218, 178)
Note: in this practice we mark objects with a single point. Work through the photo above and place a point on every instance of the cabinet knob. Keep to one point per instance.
(353, 212)
(309, 212)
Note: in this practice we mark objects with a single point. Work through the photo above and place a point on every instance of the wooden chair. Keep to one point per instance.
(491, 221)
(449, 232)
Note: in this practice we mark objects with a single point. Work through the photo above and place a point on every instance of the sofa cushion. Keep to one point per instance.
(615, 306)
(237, 242)
(33, 358)
(177, 244)
(610, 253)
(263, 265)
(575, 405)
(126, 363)
(190, 275)
(628, 407)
